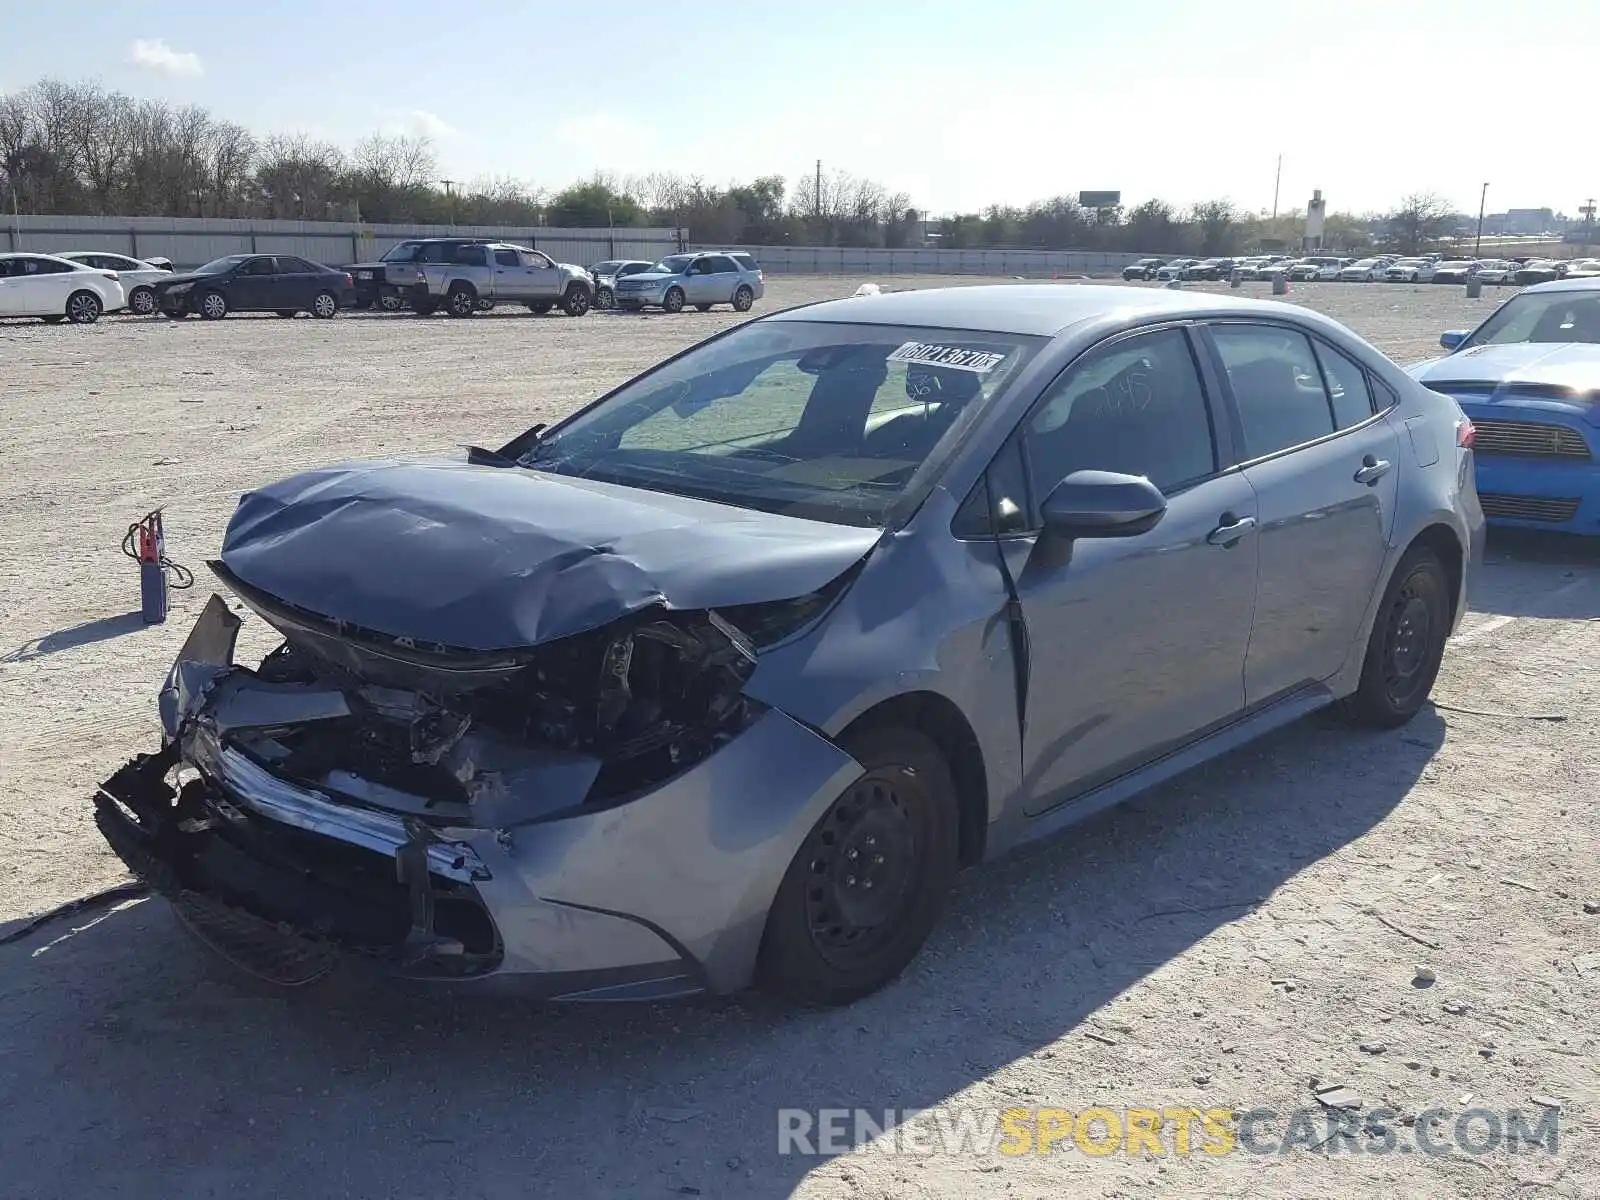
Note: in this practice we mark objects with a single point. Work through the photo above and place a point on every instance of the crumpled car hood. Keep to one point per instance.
(496, 558)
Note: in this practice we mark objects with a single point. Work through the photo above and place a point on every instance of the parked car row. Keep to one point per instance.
(460, 276)
(1380, 268)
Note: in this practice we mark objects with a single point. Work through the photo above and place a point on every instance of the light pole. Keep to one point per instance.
(1477, 242)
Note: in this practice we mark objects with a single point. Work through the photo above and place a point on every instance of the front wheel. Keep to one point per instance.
(1406, 646)
(672, 302)
(213, 306)
(743, 299)
(869, 880)
(604, 300)
(461, 302)
(575, 302)
(83, 308)
(324, 305)
(142, 301)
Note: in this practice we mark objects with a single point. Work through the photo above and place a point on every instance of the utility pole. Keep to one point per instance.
(818, 194)
(450, 194)
(1587, 213)
(1477, 242)
(1276, 179)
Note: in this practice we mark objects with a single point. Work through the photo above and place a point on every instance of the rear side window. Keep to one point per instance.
(1277, 383)
(1347, 387)
(289, 265)
(745, 262)
(471, 256)
(507, 258)
(1136, 406)
(49, 266)
(258, 266)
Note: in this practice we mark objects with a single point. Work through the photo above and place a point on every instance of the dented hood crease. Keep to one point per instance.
(494, 558)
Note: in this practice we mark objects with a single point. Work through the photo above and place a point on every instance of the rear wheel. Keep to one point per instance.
(391, 302)
(576, 300)
(672, 302)
(743, 299)
(324, 305)
(142, 301)
(213, 306)
(870, 879)
(1406, 645)
(461, 301)
(83, 308)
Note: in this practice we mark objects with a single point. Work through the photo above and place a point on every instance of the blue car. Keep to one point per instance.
(1529, 380)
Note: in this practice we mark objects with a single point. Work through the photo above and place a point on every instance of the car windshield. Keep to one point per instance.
(1542, 317)
(604, 268)
(218, 265)
(673, 264)
(832, 422)
(404, 252)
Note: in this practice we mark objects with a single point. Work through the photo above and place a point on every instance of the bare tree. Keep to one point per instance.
(1422, 219)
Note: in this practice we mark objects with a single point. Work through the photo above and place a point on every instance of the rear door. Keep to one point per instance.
(1135, 645)
(1323, 465)
(298, 282)
(511, 276)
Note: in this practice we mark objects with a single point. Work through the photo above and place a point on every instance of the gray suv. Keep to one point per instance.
(701, 278)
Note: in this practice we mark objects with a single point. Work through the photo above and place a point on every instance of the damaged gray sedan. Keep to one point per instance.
(721, 679)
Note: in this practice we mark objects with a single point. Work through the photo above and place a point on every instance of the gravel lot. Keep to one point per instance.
(1231, 941)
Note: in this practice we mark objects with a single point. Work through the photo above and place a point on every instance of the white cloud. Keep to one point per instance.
(153, 54)
(417, 122)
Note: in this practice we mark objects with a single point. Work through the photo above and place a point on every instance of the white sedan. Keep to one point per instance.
(1364, 271)
(138, 278)
(57, 289)
(1496, 270)
(1410, 270)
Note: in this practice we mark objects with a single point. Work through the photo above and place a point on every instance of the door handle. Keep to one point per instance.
(1231, 530)
(1372, 470)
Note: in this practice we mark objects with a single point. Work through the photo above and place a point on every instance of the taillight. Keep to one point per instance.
(1466, 434)
(349, 282)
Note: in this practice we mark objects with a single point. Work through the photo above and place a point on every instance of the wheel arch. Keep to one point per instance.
(943, 723)
(1446, 543)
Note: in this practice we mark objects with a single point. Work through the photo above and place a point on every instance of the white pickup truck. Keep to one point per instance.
(483, 274)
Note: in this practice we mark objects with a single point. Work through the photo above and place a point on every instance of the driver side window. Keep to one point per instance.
(1136, 406)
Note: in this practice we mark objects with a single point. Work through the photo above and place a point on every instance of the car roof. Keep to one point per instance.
(1566, 285)
(1039, 310)
(38, 254)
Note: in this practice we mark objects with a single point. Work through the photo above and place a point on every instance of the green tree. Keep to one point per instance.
(594, 204)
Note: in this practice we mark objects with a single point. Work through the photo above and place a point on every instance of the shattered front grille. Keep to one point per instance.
(1528, 439)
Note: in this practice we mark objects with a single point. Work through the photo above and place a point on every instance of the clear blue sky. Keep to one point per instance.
(1180, 99)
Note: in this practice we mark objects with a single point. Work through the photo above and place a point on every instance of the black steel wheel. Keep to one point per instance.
(1406, 646)
(867, 884)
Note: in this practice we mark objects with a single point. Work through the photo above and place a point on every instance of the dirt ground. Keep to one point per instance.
(1234, 940)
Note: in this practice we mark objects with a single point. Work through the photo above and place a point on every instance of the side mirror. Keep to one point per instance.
(1451, 338)
(1102, 504)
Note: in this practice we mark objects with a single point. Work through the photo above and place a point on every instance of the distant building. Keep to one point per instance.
(1520, 222)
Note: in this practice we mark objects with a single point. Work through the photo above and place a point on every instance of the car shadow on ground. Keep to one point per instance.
(79, 635)
(1530, 573)
(137, 1056)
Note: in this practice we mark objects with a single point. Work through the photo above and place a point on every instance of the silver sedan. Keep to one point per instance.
(722, 679)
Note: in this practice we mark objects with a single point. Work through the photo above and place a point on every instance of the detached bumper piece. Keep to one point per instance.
(288, 904)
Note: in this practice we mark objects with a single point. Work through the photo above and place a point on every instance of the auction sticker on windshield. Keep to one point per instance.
(956, 357)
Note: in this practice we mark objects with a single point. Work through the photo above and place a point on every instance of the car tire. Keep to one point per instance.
(540, 307)
(604, 300)
(391, 302)
(142, 301)
(672, 302)
(576, 300)
(213, 306)
(287, 312)
(84, 308)
(1406, 646)
(461, 300)
(828, 940)
(743, 298)
(324, 305)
